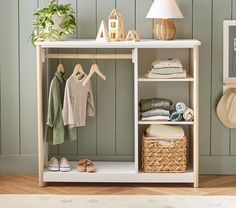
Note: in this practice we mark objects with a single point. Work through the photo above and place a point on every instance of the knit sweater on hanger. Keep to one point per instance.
(78, 102)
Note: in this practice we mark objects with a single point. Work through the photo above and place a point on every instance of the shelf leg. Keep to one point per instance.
(136, 140)
(196, 117)
(40, 114)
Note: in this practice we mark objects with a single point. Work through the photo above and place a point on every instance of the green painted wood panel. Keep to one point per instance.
(47, 77)
(184, 26)
(103, 138)
(218, 165)
(143, 25)
(125, 88)
(28, 78)
(202, 13)
(9, 65)
(106, 107)
(233, 131)
(219, 134)
(87, 141)
(68, 147)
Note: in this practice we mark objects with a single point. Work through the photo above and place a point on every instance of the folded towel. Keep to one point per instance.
(154, 103)
(156, 112)
(175, 62)
(188, 114)
(156, 118)
(151, 75)
(171, 70)
(180, 107)
(175, 116)
(165, 131)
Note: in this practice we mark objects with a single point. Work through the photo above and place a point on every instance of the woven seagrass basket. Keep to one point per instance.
(168, 157)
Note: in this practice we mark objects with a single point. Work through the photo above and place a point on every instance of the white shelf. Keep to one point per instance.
(104, 172)
(167, 122)
(114, 172)
(187, 79)
(144, 43)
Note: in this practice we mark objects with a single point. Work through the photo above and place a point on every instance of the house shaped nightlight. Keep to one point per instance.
(116, 26)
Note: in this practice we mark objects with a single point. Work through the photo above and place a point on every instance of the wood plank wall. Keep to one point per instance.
(101, 138)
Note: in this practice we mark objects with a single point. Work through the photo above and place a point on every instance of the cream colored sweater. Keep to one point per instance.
(78, 102)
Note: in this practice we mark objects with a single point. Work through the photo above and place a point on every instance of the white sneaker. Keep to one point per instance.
(53, 164)
(64, 165)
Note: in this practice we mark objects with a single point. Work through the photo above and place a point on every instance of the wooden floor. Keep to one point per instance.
(28, 184)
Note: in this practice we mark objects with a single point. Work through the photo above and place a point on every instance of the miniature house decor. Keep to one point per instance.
(116, 26)
(132, 36)
(165, 11)
(103, 34)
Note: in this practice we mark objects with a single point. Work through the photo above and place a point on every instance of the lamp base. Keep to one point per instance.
(165, 29)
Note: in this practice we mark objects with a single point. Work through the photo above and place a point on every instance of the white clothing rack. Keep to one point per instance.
(128, 172)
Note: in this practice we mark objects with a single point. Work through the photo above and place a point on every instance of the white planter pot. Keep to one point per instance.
(57, 22)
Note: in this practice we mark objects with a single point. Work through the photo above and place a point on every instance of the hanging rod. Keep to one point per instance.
(88, 56)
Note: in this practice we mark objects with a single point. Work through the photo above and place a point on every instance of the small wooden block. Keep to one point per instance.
(102, 34)
(132, 36)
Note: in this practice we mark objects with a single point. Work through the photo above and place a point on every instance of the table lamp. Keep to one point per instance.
(165, 11)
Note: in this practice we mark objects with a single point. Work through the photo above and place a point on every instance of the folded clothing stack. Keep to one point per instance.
(166, 69)
(155, 109)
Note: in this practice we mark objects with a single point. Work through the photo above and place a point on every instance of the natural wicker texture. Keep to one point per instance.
(170, 157)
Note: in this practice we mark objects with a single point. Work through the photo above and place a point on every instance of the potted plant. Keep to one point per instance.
(53, 22)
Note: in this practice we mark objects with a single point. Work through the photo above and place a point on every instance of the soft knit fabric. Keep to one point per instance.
(156, 118)
(152, 75)
(175, 62)
(156, 112)
(165, 131)
(78, 102)
(167, 70)
(154, 103)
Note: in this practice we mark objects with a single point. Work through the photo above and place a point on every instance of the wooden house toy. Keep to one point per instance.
(103, 34)
(132, 36)
(116, 26)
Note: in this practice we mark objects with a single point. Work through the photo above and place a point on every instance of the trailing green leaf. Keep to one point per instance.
(44, 26)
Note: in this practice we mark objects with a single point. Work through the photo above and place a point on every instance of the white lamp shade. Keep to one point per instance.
(164, 9)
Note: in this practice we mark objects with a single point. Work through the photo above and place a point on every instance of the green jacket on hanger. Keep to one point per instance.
(57, 133)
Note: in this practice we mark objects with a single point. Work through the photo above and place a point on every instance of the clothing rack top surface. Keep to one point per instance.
(144, 43)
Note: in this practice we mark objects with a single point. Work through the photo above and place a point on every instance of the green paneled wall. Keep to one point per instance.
(109, 135)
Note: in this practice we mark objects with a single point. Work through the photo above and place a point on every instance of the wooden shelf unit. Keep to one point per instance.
(123, 171)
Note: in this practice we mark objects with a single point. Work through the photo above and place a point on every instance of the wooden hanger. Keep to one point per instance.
(78, 69)
(60, 69)
(94, 68)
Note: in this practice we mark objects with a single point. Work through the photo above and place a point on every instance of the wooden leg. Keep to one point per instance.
(196, 117)
(40, 115)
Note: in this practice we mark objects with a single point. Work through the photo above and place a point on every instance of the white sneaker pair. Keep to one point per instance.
(55, 165)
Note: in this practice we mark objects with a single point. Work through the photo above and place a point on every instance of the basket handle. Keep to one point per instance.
(168, 142)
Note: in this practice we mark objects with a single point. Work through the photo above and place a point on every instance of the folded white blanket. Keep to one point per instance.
(169, 70)
(151, 75)
(165, 131)
(175, 62)
(156, 118)
(156, 112)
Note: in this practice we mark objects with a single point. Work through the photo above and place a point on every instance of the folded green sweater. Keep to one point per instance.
(154, 103)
